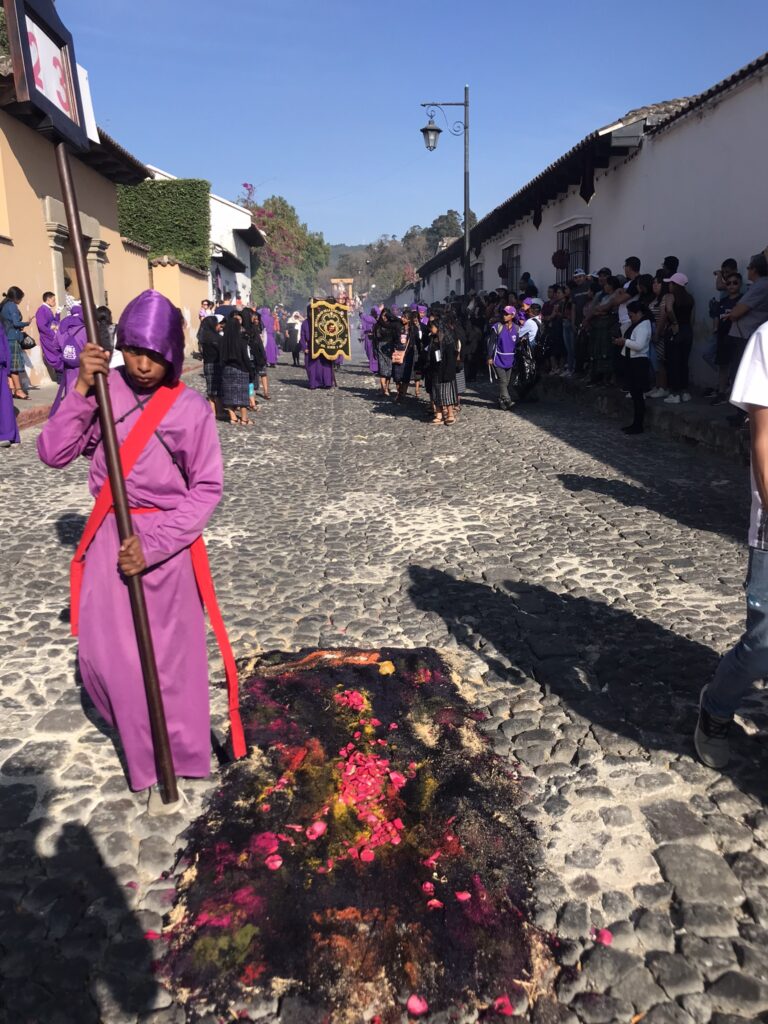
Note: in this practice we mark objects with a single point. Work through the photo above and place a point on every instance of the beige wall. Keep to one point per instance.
(133, 278)
(185, 287)
(34, 241)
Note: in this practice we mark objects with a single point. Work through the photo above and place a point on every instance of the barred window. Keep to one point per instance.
(476, 277)
(510, 260)
(575, 241)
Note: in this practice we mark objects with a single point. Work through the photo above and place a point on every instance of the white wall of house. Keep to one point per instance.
(226, 217)
(695, 190)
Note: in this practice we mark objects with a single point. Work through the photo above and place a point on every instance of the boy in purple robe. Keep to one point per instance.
(270, 345)
(173, 489)
(9, 430)
(70, 341)
(47, 320)
(320, 370)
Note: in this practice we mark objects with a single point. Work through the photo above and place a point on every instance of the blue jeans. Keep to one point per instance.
(570, 346)
(709, 353)
(748, 660)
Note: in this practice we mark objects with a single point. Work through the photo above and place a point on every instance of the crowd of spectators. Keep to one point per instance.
(630, 330)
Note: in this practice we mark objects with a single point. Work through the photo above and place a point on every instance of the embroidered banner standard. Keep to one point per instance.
(329, 325)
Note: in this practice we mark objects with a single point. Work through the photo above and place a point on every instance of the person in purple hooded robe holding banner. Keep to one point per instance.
(319, 370)
(270, 345)
(173, 468)
(9, 430)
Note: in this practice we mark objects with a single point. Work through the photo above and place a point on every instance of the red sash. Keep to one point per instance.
(130, 450)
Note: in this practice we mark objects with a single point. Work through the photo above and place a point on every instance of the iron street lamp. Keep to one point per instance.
(431, 133)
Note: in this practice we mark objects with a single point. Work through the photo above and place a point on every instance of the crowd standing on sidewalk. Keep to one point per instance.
(631, 331)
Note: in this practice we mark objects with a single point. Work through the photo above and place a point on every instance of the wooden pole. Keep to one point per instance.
(157, 721)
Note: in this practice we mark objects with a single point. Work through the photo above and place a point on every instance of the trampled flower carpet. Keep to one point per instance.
(366, 862)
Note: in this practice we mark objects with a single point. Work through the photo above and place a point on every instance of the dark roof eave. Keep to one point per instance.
(108, 158)
(696, 102)
(251, 236)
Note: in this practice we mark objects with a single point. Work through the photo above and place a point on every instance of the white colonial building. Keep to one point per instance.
(233, 235)
(684, 178)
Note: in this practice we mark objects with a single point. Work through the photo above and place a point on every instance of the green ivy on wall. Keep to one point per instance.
(172, 217)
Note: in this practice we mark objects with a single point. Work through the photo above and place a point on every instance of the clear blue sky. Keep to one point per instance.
(318, 100)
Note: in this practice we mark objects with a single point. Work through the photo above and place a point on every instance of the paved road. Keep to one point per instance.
(591, 580)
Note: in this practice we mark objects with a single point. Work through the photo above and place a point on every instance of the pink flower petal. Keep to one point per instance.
(603, 937)
(417, 1006)
(274, 862)
(462, 897)
(367, 855)
(428, 888)
(435, 904)
(393, 725)
(503, 1006)
(152, 935)
(316, 829)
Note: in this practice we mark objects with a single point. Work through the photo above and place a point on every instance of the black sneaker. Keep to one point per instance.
(709, 392)
(711, 738)
(719, 399)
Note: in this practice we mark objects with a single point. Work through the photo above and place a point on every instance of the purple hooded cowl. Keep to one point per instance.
(153, 322)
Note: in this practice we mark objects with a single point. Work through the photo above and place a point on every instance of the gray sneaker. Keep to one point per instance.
(711, 738)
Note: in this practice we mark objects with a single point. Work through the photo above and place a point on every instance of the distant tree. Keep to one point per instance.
(285, 269)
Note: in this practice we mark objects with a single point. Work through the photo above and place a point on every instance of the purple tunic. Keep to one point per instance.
(270, 346)
(71, 341)
(108, 654)
(47, 327)
(9, 430)
(320, 370)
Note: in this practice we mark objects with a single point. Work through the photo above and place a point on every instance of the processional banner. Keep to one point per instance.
(329, 326)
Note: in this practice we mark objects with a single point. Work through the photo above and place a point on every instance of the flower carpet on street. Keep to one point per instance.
(366, 859)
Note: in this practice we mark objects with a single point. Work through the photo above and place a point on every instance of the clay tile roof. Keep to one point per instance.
(755, 67)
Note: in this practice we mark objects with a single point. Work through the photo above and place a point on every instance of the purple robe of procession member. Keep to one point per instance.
(9, 430)
(180, 480)
(47, 321)
(320, 370)
(270, 345)
(71, 341)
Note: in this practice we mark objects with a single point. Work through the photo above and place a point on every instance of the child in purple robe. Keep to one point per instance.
(70, 340)
(173, 489)
(47, 320)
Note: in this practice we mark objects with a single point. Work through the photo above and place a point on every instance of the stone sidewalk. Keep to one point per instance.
(589, 580)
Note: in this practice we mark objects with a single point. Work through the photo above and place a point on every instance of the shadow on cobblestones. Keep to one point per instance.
(71, 949)
(69, 529)
(635, 683)
(698, 488)
(663, 499)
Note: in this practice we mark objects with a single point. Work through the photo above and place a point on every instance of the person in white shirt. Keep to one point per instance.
(635, 351)
(531, 329)
(747, 662)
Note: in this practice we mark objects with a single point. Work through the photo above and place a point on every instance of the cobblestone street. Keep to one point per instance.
(589, 581)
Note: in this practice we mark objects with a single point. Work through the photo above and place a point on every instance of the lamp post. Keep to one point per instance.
(431, 133)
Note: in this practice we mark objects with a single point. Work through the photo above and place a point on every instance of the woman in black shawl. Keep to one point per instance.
(443, 345)
(209, 338)
(386, 334)
(406, 348)
(235, 371)
(259, 352)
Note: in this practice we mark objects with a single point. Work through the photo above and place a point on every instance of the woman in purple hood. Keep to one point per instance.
(173, 489)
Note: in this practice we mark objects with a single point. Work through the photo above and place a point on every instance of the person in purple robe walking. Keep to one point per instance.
(173, 489)
(320, 370)
(71, 339)
(270, 345)
(48, 320)
(9, 430)
(367, 323)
